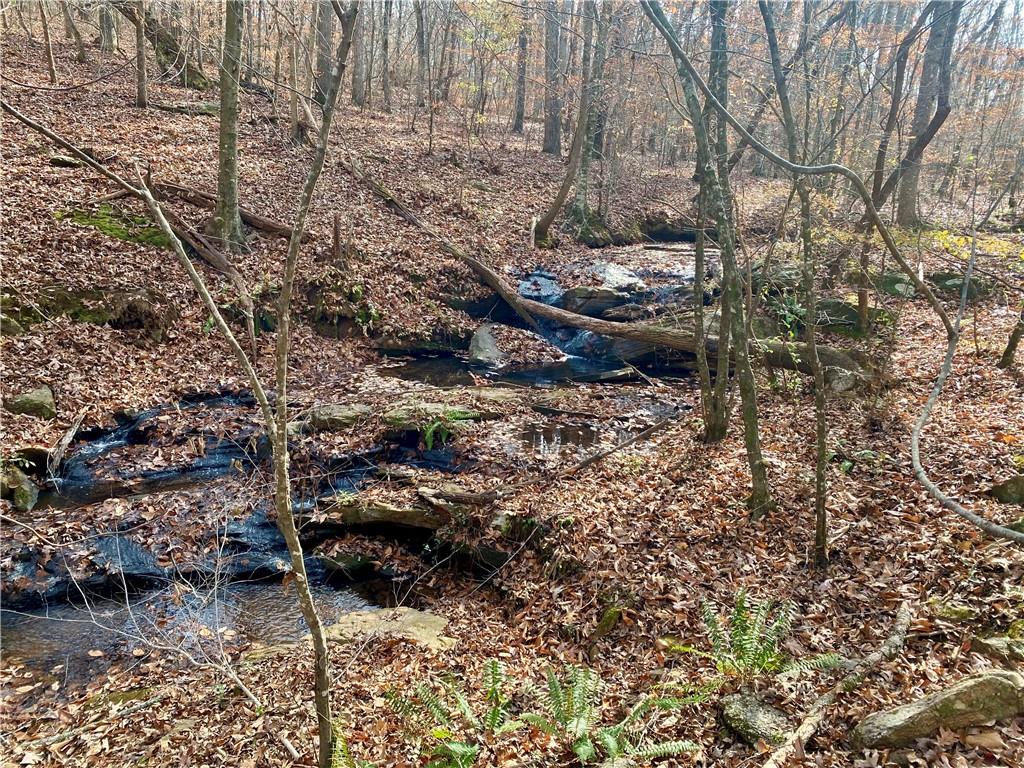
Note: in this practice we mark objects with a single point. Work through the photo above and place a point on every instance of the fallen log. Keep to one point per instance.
(842, 371)
(208, 200)
(190, 108)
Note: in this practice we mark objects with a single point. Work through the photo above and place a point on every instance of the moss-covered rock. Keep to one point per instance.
(951, 610)
(753, 720)
(146, 309)
(16, 486)
(37, 402)
(896, 284)
(987, 696)
(953, 283)
(1000, 648)
(1010, 491)
(336, 416)
(843, 317)
(10, 327)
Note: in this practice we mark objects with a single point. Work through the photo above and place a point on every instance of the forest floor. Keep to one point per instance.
(656, 529)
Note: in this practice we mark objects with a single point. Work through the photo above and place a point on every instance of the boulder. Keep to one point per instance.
(334, 416)
(753, 720)
(37, 402)
(593, 301)
(414, 415)
(617, 278)
(483, 348)
(1005, 649)
(978, 699)
(896, 284)
(16, 486)
(1011, 491)
(64, 161)
(10, 327)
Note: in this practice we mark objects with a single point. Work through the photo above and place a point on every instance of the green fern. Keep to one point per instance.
(747, 644)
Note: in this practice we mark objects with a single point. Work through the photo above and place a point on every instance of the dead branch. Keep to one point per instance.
(816, 714)
(56, 454)
(842, 372)
(208, 200)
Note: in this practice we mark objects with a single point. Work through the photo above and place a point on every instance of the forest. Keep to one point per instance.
(577, 383)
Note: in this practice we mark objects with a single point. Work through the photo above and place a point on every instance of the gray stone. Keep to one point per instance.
(753, 720)
(953, 282)
(483, 348)
(1010, 491)
(415, 415)
(897, 284)
(618, 278)
(37, 402)
(64, 161)
(593, 301)
(16, 486)
(326, 418)
(978, 699)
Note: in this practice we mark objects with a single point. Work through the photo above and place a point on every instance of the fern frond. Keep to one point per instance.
(584, 749)
(719, 647)
(541, 723)
(432, 704)
(462, 704)
(555, 699)
(493, 679)
(663, 749)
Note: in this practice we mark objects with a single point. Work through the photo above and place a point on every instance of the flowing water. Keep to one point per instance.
(77, 641)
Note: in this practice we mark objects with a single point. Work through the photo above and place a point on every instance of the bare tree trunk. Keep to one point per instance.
(1011, 345)
(359, 63)
(422, 73)
(51, 66)
(520, 98)
(324, 46)
(934, 90)
(552, 101)
(385, 70)
(72, 29)
(108, 29)
(803, 190)
(141, 84)
(226, 224)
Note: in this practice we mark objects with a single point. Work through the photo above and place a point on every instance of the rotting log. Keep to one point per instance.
(842, 371)
(208, 200)
(190, 108)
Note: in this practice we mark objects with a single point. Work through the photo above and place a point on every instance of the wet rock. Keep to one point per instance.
(118, 557)
(753, 720)
(618, 278)
(593, 301)
(37, 402)
(981, 698)
(541, 286)
(327, 418)
(483, 348)
(1010, 491)
(16, 486)
(1005, 649)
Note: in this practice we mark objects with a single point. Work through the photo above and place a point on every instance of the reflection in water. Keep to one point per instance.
(550, 438)
(77, 642)
(456, 372)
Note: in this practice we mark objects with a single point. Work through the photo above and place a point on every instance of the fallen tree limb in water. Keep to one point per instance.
(794, 742)
(842, 371)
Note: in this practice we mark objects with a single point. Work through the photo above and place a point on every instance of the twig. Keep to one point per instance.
(816, 714)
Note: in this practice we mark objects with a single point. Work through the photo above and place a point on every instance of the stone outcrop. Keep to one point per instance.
(978, 699)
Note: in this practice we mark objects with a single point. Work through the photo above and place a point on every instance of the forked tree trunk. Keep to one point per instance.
(72, 28)
(171, 55)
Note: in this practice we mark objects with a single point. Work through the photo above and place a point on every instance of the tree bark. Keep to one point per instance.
(520, 97)
(141, 83)
(170, 55)
(70, 26)
(422, 70)
(51, 66)
(226, 224)
(1006, 360)
(552, 100)
(108, 29)
(385, 70)
(324, 49)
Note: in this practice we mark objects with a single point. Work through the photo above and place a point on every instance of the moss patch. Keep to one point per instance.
(118, 224)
